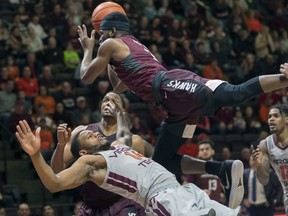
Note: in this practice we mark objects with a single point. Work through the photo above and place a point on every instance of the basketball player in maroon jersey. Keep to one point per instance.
(185, 95)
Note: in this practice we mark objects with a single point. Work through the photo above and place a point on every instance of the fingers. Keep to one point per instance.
(37, 133)
(93, 34)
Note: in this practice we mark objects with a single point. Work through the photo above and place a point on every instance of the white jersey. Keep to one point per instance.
(279, 161)
(134, 176)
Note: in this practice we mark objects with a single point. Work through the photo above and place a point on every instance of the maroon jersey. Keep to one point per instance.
(138, 69)
(94, 196)
(208, 182)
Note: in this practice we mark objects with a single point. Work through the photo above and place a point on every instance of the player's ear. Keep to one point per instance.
(113, 32)
(83, 152)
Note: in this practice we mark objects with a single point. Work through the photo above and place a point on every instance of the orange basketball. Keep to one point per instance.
(102, 10)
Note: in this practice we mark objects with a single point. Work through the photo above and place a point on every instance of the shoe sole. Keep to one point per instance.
(237, 188)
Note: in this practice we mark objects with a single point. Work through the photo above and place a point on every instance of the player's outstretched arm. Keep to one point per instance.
(260, 157)
(90, 68)
(66, 179)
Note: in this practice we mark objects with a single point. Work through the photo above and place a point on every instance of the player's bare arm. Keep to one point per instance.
(62, 155)
(117, 84)
(87, 167)
(260, 156)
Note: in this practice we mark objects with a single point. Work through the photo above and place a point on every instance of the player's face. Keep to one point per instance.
(205, 152)
(93, 141)
(107, 102)
(275, 121)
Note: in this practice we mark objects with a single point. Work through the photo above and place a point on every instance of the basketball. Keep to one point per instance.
(102, 10)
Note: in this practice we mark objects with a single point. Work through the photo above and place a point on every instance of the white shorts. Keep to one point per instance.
(186, 200)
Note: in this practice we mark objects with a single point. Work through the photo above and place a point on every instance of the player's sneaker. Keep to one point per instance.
(231, 176)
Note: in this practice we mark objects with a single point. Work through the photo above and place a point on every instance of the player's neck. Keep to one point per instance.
(282, 140)
(108, 126)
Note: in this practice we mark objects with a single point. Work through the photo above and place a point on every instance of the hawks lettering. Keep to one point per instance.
(183, 85)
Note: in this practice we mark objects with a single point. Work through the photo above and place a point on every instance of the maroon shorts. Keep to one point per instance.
(123, 207)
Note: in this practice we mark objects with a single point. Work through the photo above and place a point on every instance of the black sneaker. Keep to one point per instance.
(231, 176)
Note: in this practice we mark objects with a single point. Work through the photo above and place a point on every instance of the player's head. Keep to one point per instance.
(107, 103)
(206, 149)
(113, 23)
(88, 142)
(278, 118)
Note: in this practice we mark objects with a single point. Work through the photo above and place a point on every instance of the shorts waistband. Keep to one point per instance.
(156, 87)
(160, 187)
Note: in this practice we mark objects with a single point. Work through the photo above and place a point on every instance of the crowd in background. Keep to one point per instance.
(40, 55)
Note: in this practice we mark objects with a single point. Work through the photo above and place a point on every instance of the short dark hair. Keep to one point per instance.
(117, 20)
(283, 109)
(75, 145)
(206, 141)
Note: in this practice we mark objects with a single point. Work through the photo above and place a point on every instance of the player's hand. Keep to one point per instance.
(63, 134)
(117, 106)
(257, 157)
(29, 142)
(284, 69)
(85, 41)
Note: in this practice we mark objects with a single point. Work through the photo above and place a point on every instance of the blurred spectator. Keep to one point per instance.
(48, 210)
(154, 50)
(47, 79)
(143, 31)
(23, 210)
(13, 68)
(202, 58)
(4, 36)
(53, 55)
(28, 84)
(47, 140)
(7, 102)
(221, 11)
(248, 67)
(61, 116)
(41, 114)
(23, 14)
(264, 43)
(190, 65)
(2, 211)
(32, 62)
(34, 42)
(265, 102)
(253, 124)
(175, 32)
(21, 98)
(46, 99)
(253, 23)
(195, 21)
(3, 77)
(56, 18)
(66, 96)
(202, 38)
(71, 58)
(38, 28)
(236, 21)
(213, 71)
(245, 156)
(80, 110)
(17, 42)
(225, 154)
(149, 10)
(172, 56)
(239, 123)
(223, 121)
(243, 44)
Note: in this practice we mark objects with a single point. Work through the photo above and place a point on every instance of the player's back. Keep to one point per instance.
(138, 69)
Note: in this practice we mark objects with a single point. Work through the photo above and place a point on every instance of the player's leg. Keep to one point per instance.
(203, 201)
(236, 94)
